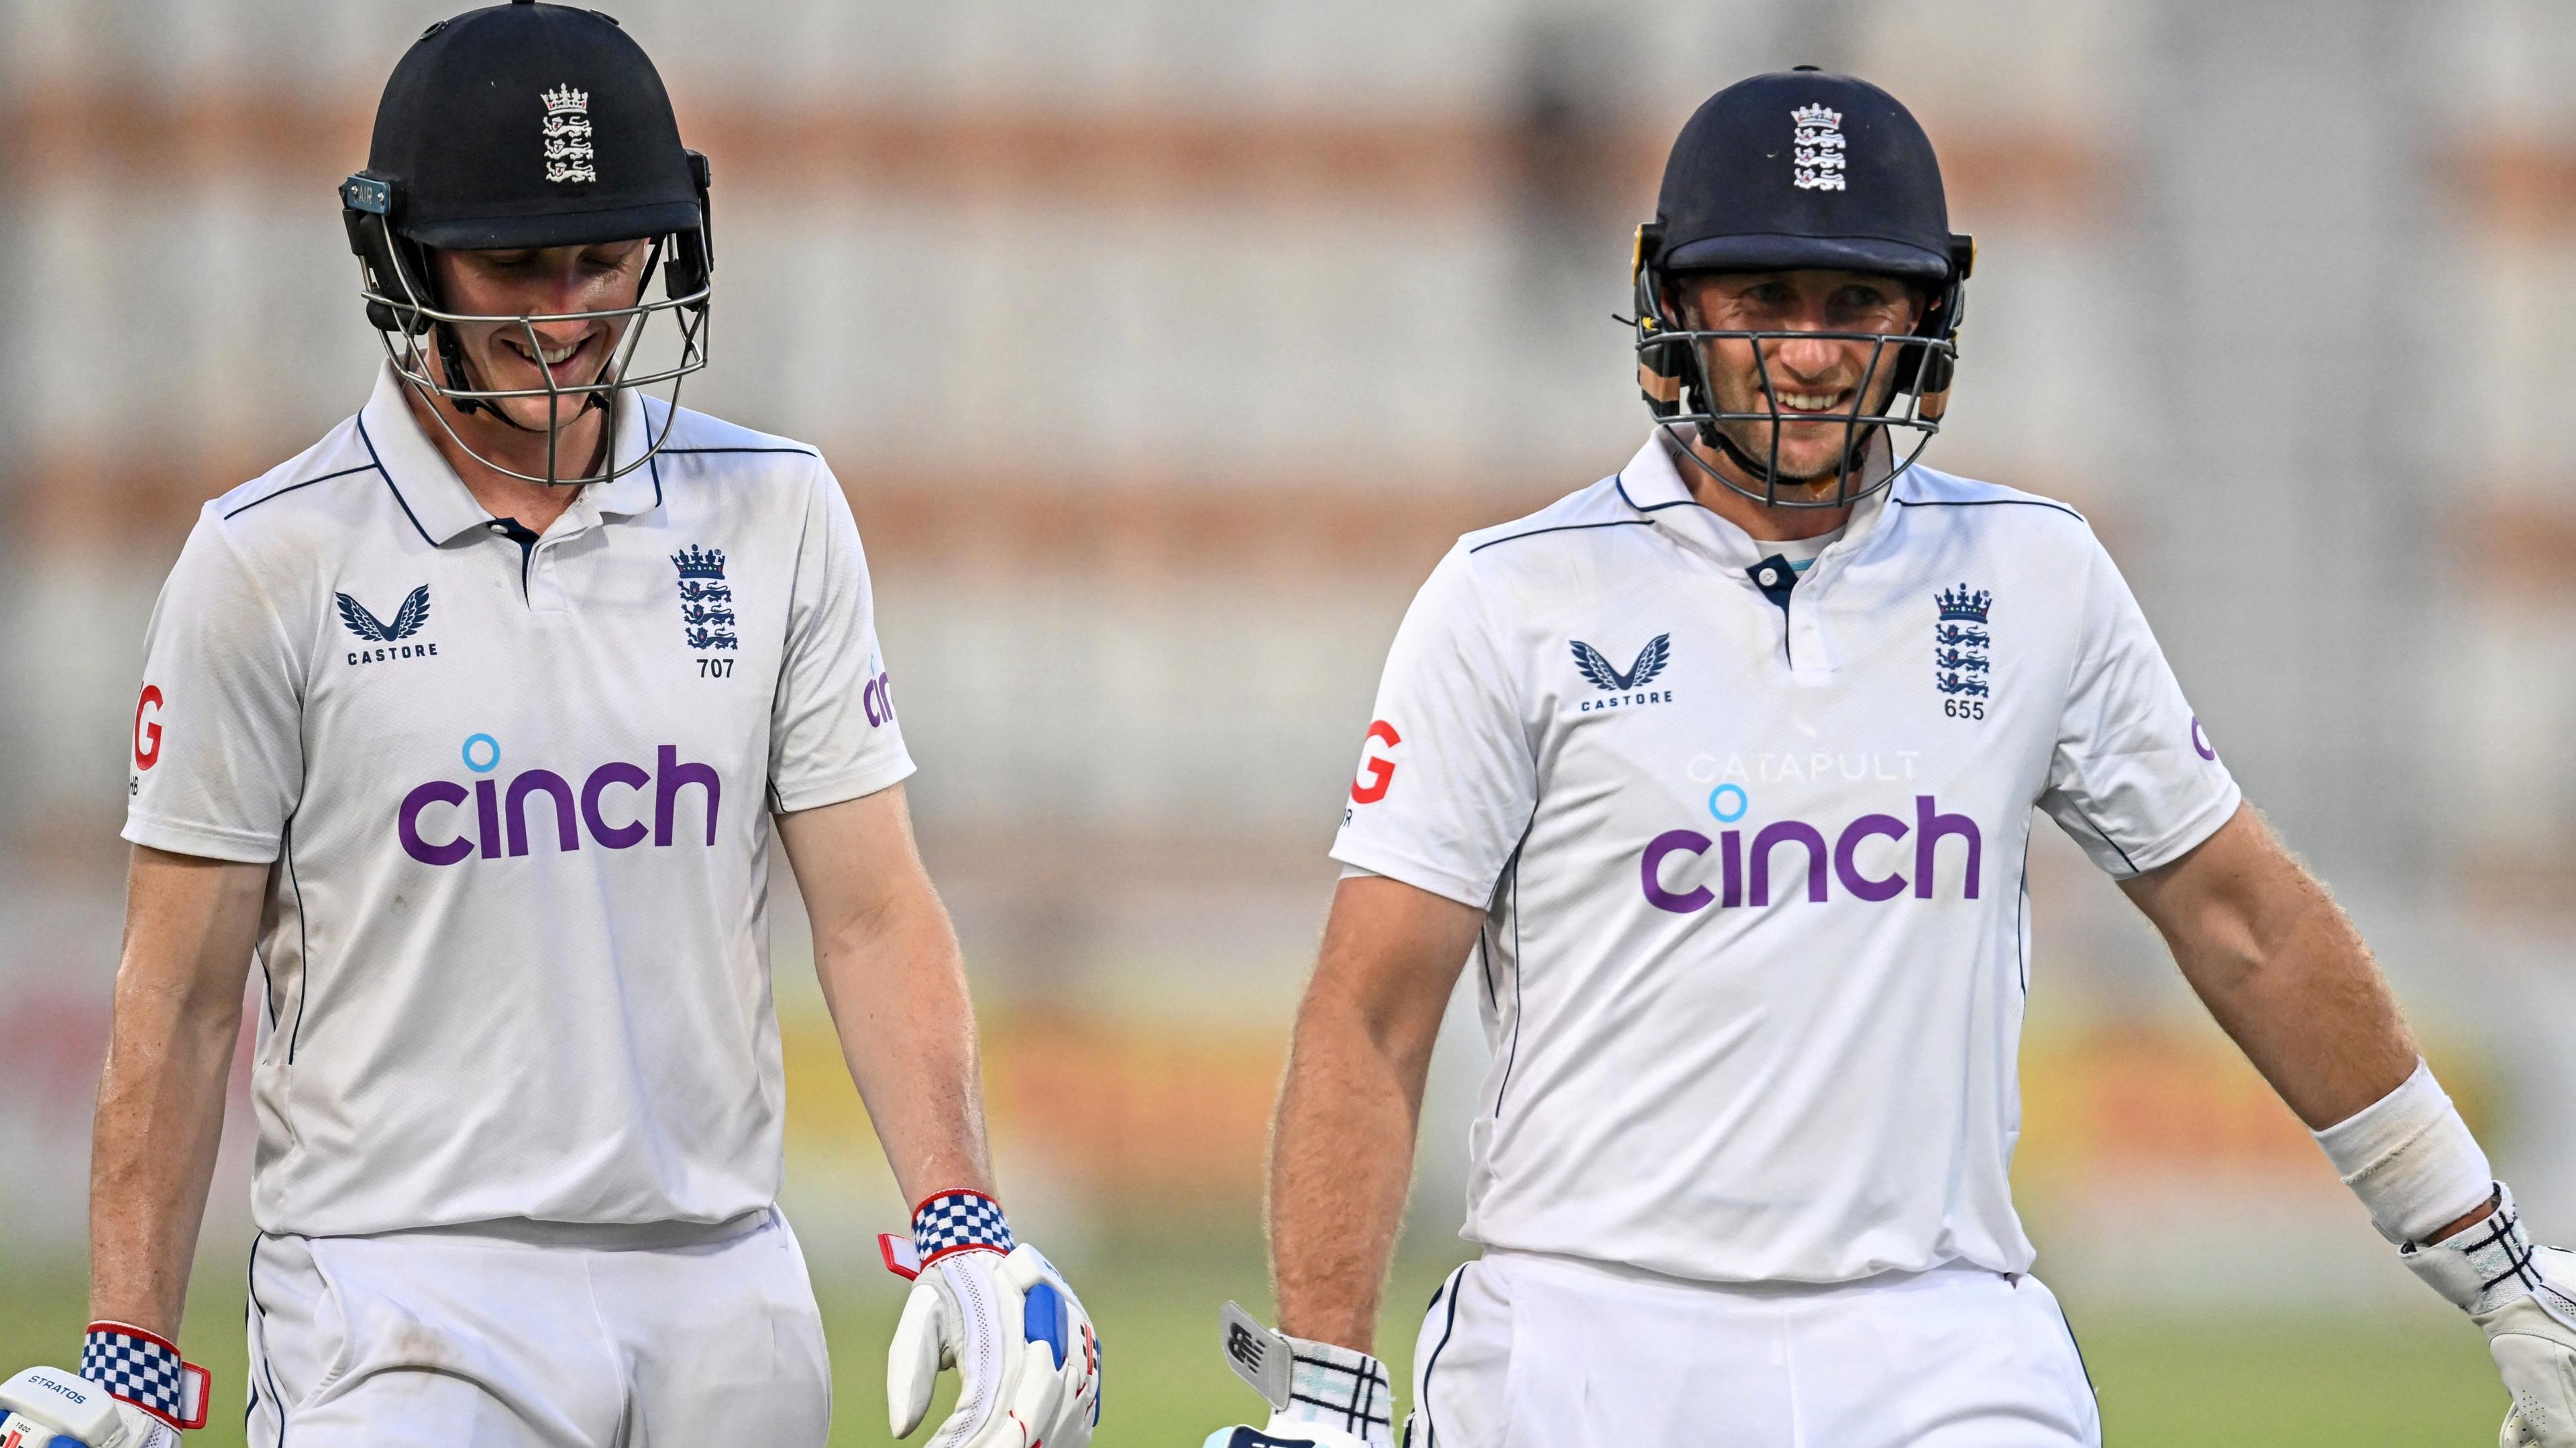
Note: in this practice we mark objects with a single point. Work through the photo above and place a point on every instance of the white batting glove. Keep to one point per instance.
(1004, 1318)
(2519, 1294)
(1320, 1395)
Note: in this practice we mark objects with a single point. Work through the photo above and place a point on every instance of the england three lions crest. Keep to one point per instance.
(566, 135)
(1961, 644)
(1816, 148)
(706, 600)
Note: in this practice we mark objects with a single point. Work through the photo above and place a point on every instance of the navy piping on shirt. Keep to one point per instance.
(1564, 528)
(2021, 909)
(389, 483)
(1619, 481)
(291, 487)
(2106, 839)
(303, 948)
(1984, 503)
(1520, 967)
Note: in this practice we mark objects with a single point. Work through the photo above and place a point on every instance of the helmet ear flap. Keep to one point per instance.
(391, 267)
(1929, 370)
(692, 262)
(1663, 362)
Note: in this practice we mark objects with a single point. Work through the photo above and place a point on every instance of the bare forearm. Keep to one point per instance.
(152, 1158)
(1341, 1155)
(190, 926)
(1340, 1162)
(2282, 970)
(898, 994)
(2309, 1009)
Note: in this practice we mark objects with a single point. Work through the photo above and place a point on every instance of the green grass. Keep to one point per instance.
(2165, 1382)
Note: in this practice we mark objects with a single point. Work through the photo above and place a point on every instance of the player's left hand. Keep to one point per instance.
(1321, 1395)
(2520, 1294)
(1017, 1336)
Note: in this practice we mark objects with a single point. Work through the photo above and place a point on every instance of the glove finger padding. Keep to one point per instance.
(2536, 1354)
(912, 1367)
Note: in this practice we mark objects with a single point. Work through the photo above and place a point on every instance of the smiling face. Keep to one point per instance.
(1811, 377)
(539, 282)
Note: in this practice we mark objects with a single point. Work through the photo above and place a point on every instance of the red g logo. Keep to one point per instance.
(147, 737)
(1381, 770)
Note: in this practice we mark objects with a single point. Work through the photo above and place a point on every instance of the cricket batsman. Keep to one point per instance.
(1719, 777)
(471, 726)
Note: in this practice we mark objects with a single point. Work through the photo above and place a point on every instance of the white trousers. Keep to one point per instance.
(537, 1338)
(1536, 1351)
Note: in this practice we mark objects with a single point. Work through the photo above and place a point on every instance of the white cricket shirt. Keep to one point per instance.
(1756, 944)
(514, 955)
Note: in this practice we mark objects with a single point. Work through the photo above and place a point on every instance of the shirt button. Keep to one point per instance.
(499, 528)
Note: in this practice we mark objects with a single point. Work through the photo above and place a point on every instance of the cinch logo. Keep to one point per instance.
(879, 701)
(499, 820)
(1735, 860)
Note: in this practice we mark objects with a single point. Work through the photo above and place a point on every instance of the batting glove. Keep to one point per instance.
(1320, 1395)
(1004, 1318)
(2519, 1294)
(133, 1391)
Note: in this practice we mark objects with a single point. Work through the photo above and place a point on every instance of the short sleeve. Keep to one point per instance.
(217, 764)
(2134, 779)
(832, 732)
(1446, 780)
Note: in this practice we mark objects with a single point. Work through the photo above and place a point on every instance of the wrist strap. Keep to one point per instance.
(1339, 1387)
(2411, 1159)
(958, 1221)
(146, 1371)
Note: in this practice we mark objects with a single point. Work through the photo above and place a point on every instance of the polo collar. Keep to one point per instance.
(1653, 485)
(437, 500)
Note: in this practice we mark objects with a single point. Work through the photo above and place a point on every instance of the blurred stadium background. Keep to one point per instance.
(1163, 346)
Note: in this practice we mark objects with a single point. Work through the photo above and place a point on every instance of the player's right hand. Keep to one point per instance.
(43, 1403)
(2520, 1294)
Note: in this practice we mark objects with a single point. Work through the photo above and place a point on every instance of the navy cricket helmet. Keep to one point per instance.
(528, 125)
(1793, 171)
